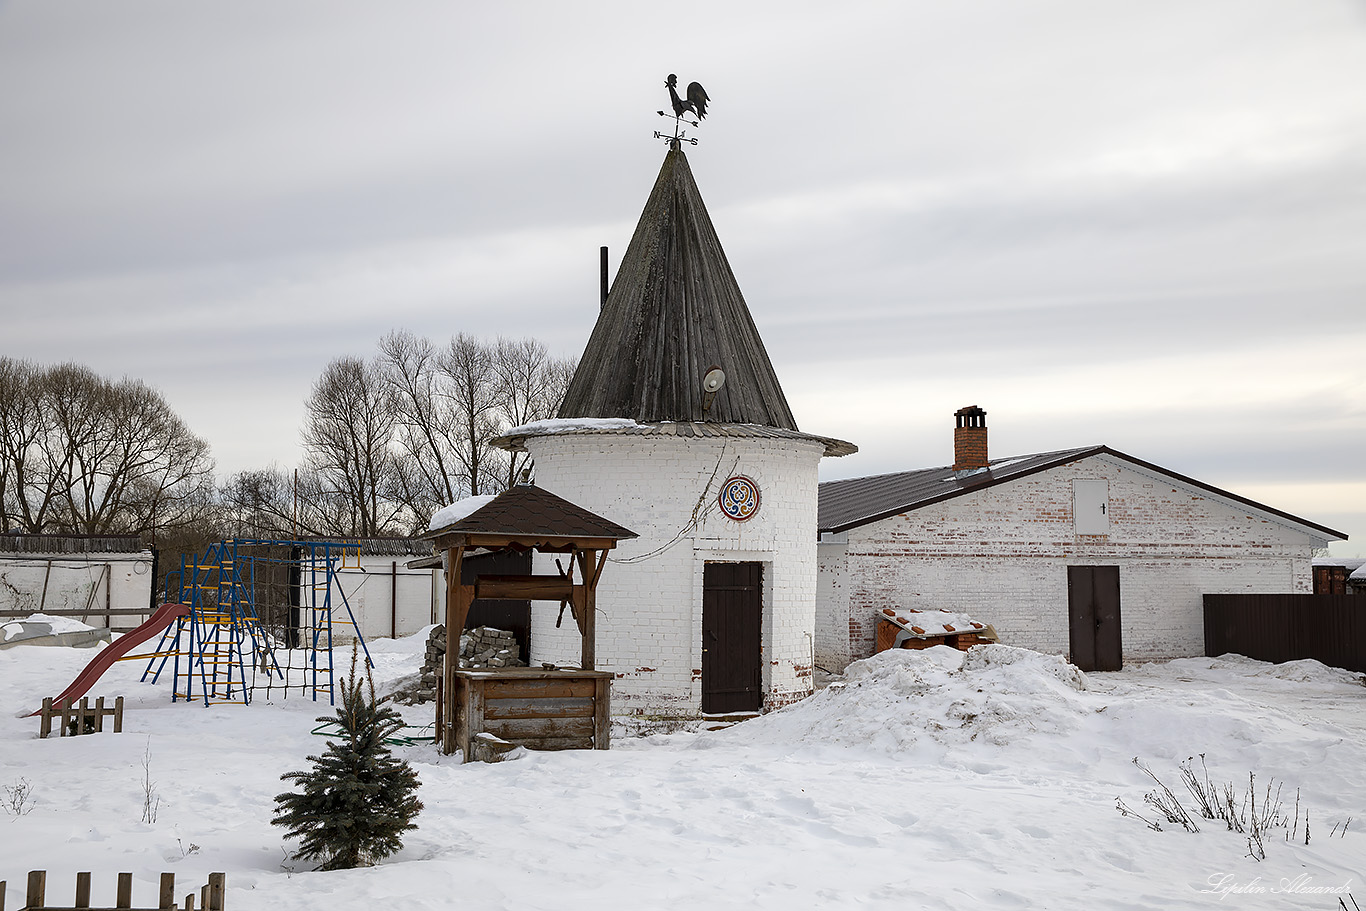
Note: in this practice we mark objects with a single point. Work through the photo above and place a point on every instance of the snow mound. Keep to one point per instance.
(899, 698)
(58, 624)
(1227, 668)
(1307, 670)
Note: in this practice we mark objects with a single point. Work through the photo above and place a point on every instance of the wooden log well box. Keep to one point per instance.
(536, 708)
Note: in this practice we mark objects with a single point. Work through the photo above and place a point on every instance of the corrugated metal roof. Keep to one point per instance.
(703, 430)
(858, 501)
(530, 511)
(674, 311)
(71, 544)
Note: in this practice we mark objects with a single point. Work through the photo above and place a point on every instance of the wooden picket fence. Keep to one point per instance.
(210, 895)
(79, 719)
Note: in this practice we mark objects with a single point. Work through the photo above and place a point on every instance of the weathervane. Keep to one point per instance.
(695, 103)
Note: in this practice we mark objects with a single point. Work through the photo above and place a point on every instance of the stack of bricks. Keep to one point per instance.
(484, 647)
(425, 691)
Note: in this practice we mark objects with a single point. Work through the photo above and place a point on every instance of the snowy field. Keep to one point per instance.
(910, 783)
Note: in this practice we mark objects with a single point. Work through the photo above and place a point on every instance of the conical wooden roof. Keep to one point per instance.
(675, 311)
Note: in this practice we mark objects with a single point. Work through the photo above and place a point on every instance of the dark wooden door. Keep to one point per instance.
(732, 607)
(1093, 613)
(514, 616)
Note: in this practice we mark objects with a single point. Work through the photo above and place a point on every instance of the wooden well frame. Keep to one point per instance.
(563, 708)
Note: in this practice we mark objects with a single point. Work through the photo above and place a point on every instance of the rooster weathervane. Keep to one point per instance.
(695, 103)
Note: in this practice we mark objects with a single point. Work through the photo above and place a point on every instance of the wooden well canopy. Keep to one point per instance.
(525, 518)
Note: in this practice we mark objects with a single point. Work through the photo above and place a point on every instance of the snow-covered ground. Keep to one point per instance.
(910, 783)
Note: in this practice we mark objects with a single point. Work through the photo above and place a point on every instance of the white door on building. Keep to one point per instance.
(1091, 507)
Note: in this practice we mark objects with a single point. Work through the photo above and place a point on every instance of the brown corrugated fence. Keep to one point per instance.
(1329, 628)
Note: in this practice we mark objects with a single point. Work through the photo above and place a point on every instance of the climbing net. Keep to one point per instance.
(261, 620)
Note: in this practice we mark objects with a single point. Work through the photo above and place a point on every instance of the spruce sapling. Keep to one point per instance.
(357, 799)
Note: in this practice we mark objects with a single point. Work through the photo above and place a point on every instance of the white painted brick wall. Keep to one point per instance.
(832, 605)
(1001, 554)
(122, 581)
(650, 612)
(370, 594)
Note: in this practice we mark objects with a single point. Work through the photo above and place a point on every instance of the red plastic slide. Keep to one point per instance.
(164, 617)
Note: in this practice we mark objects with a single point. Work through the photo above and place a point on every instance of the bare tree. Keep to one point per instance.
(348, 434)
(86, 455)
(392, 440)
(258, 504)
(429, 433)
(470, 390)
(529, 385)
(28, 483)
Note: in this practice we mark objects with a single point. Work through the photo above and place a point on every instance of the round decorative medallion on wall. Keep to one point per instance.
(739, 498)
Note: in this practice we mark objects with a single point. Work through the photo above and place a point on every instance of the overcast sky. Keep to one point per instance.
(1140, 224)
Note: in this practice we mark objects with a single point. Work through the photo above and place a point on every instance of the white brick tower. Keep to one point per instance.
(675, 426)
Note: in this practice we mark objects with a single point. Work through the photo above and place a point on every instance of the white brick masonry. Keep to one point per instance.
(72, 582)
(650, 607)
(1001, 554)
(385, 597)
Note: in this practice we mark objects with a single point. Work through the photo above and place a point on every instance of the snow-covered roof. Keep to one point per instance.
(454, 512)
(515, 439)
(1353, 565)
(922, 624)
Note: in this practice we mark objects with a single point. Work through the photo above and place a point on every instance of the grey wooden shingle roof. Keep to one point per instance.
(860, 501)
(674, 311)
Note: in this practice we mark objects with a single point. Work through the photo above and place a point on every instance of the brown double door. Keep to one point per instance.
(1093, 615)
(732, 608)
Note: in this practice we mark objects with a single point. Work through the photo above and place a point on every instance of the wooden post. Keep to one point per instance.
(42, 601)
(588, 567)
(2, 895)
(440, 709)
(99, 715)
(83, 890)
(124, 899)
(472, 694)
(454, 615)
(45, 725)
(189, 899)
(167, 898)
(118, 718)
(602, 713)
(217, 882)
(37, 889)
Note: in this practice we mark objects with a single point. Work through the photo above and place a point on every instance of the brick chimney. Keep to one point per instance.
(970, 439)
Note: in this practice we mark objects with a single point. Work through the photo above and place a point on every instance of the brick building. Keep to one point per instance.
(1085, 552)
(675, 426)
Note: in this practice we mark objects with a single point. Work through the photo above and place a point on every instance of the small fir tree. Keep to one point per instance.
(357, 799)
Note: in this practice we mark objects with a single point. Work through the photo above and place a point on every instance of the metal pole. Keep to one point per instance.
(602, 255)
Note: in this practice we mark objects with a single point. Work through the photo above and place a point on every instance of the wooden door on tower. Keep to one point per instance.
(732, 609)
(1093, 612)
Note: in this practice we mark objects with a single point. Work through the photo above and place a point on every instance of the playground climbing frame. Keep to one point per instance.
(222, 651)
